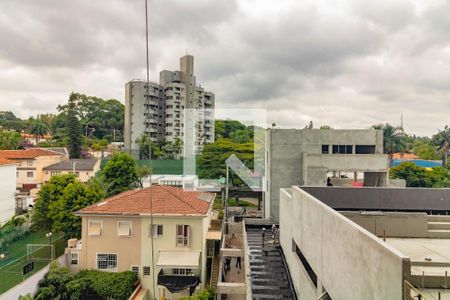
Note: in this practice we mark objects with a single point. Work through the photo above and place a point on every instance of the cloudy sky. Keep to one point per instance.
(348, 64)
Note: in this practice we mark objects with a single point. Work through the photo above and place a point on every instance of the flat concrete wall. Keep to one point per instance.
(349, 261)
(393, 224)
(373, 198)
(294, 157)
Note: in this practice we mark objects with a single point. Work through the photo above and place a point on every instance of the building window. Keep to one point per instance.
(29, 174)
(29, 163)
(95, 228)
(54, 173)
(74, 259)
(135, 269)
(17, 174)
(305, 263)
(106, 261)
(146, 270)
(365, 149)
(157, 231)
(325, 149)
(342, 149)
(124, 228)
(181, 271)
(183, 235)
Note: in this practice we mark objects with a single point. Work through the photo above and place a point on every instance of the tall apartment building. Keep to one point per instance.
(160, 112)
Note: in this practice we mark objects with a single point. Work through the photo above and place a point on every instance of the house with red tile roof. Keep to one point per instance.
(30, 163)
(160, 232)
(7, 189)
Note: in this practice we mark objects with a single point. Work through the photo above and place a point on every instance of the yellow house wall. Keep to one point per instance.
(127, 248)
(168, 242)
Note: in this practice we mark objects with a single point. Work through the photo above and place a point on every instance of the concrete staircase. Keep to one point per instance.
(438, 226)
(214, 272)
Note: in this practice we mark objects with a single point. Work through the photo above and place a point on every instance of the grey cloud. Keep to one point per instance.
(342, 63)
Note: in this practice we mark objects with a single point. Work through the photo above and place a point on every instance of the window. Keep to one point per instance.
(95, 228)
(305, 263)
(74, 259)
(146, 270)
(325, 149)
(77, 174)
(181, 271)
(54, 173)
(365, 149)
(29, 163)
(29, 174)
(106, 261)
(17, 174)
(124, 228)
(135, 269)
(183, 235)
(157, 231)
(342, 149)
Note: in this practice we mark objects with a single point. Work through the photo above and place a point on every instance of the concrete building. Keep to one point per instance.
(30, 164)
(161, 114)
(309, 156)
(7, 190)
(366, 243)
(117, 235)
(84, 169)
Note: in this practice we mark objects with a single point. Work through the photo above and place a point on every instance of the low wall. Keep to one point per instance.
(375, 198)
(349, 262)
(30, 284)
(393, 224)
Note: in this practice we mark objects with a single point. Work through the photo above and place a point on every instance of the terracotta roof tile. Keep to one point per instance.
(166, 200)
(28, 153)
(4, 161)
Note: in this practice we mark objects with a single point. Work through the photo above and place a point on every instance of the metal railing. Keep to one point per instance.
(412, 293)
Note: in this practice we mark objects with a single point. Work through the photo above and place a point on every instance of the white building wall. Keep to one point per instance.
(7, 192)
(349, 262)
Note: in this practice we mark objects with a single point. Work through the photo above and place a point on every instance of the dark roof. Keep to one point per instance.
(80, 165)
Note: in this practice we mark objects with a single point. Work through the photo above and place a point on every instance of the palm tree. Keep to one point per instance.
(442, 141)
(393, 139)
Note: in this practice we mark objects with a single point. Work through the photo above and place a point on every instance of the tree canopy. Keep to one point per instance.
(120, 173)
(416, 176)
(59, 198)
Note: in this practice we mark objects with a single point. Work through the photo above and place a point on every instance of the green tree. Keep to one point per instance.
(178, 147)
(211, 163)
(37, 128)
(224, 128)
(147, 148)
(49, 194)
(416, 176)
(442, 141)
(240, 136)
(143, 172)
(393, 139)
(76, 196)
(9, 140)
(425, 150)
(120, 173)
(100, 145)
(73, 130)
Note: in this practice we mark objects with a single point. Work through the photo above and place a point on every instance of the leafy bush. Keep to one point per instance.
(416, 176)
(59, 283)
(202, 295)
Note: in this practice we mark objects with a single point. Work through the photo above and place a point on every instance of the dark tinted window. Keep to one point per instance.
(365, 149)
(325, 149)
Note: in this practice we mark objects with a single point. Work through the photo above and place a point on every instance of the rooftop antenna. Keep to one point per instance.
(152, 270)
